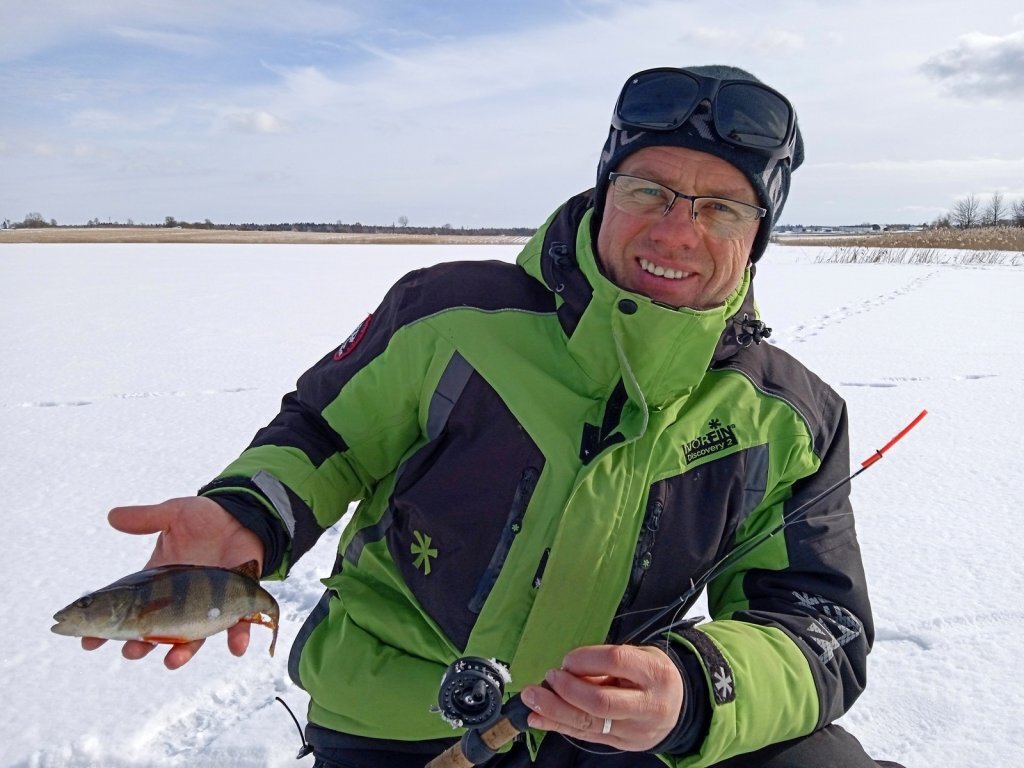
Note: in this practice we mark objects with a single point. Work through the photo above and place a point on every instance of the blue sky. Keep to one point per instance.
(478, 113)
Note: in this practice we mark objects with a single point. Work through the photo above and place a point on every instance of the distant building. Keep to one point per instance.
(854, 229)
(902, 228)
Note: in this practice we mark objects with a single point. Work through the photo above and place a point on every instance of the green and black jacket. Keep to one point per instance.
(540, 456)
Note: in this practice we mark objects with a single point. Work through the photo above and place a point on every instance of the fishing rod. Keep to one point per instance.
(737, 554)
(472, 688)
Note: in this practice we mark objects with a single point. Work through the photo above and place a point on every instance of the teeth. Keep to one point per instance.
(660, 271)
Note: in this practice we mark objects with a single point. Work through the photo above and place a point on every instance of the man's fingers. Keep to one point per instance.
(642, 665)
(238, 638)
(178, 655)
(552, 712)
(181, 653)
(136, 649)
(640, 694)
(599, 700)
(139, 520)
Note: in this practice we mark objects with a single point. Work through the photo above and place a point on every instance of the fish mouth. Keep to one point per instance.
(62, 628)
(63, 625)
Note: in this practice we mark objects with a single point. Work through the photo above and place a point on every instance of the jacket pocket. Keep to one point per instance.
(456, 501)
(513, 525)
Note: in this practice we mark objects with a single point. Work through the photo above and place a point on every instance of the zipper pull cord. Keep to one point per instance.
(305, 749)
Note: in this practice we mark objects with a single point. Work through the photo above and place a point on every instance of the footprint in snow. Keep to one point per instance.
(895, 381)
(128, 396)
(811, 328)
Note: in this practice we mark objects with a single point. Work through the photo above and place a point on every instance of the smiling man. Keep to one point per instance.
(694, 257)
(550, 453)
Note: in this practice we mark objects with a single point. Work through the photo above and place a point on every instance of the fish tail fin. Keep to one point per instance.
(270, 621)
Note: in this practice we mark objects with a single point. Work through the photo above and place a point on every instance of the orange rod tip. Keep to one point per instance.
(899, 436)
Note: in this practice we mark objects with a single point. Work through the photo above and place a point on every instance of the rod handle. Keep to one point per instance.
(495, 737)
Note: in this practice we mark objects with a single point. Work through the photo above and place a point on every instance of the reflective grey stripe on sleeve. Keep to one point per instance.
(449, 389)
(756, 481)
(446, 395)
(278, 496)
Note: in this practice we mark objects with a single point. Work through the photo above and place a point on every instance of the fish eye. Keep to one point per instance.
(84, 602)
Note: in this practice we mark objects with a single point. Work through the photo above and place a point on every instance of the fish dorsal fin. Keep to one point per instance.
(250, 569)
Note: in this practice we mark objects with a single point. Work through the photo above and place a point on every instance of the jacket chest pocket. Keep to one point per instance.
(690, 521)
(458, 506)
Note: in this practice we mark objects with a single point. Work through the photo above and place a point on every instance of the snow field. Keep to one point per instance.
(133, 373)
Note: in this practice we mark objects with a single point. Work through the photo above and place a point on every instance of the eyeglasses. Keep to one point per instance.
(744, 113)
(717, 217)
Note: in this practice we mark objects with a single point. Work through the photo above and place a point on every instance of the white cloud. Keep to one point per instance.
(981, 65)
(96, 120)
(176, 42)
(254, 121)
(47, 24)
(480, 128)
(927, 168)
(711, 35)
(778, 41)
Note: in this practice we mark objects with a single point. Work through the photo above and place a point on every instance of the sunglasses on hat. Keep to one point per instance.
(744, 113)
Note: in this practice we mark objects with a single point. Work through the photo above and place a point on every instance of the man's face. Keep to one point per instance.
(631, 248)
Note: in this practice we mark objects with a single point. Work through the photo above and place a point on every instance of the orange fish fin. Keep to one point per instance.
(165, 639)
(155, 605)
(263, 621)
(250, 569)
(259, 618)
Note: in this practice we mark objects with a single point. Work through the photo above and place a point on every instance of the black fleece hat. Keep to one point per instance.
(770, 177)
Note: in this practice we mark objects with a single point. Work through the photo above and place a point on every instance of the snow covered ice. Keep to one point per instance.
(134, 373)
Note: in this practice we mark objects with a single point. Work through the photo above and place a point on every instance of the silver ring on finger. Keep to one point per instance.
(606, 728)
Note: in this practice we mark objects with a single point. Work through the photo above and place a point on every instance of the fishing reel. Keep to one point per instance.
(471, 692)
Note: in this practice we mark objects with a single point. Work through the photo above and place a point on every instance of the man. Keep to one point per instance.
(547, 453)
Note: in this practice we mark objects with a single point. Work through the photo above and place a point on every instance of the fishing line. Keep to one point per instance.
(512, 717)
(733, 557)
(737, 554)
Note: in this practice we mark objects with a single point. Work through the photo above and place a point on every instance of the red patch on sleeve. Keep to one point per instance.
(349, 345)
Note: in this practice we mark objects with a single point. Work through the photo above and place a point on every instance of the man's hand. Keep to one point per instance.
(637, 688)
(193, 531)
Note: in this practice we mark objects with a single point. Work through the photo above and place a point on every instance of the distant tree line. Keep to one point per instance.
(972, 211)
(35, 220)
(966, 213)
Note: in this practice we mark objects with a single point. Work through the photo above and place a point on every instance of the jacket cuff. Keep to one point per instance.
(252, 515)
(695, 717)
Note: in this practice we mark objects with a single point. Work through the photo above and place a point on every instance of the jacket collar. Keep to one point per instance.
(660, 353)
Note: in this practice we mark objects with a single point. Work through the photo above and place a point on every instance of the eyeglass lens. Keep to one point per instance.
(718, 217)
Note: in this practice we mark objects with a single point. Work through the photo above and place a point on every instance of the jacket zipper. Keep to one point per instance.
(513, 525)
(643, 557)
(538, 577)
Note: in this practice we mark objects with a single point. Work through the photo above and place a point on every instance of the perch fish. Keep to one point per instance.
(172, 604)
